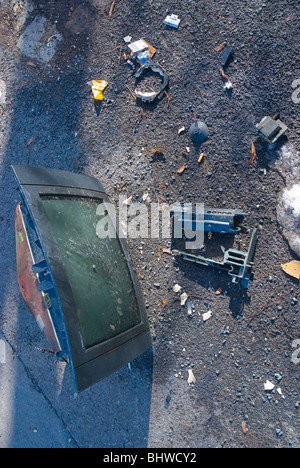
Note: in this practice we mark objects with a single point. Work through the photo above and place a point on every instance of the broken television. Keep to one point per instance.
(80, 286)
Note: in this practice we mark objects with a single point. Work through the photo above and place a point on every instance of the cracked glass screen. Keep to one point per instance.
(97, 270)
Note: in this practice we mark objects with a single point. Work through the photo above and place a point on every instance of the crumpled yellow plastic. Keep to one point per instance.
(98, 86)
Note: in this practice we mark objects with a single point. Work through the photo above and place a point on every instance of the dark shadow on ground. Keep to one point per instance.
(44, 123)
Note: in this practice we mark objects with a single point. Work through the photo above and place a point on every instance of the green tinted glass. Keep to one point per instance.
(97, 270)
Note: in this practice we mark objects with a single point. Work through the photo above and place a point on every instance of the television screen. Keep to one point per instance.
(96, 267)
(87, 280)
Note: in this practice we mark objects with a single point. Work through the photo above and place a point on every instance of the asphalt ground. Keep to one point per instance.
(49, 118)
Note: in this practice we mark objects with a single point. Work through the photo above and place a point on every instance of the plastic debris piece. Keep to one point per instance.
(182, 129)
(227, 53)
(219, 291)
(138, 46)
(183, 298)
(151, 49)
(141, 50)
(155, 68)
(292, 268)
(268, 386)
(168, 251)
(207, 315)
(228, 85)
(98, 86)
(127, 39)
(164, 303)
(189, 306)
(191, 377)
(127, 201)
(172, 20)
(280, 392)
(143, 56)
(198, 131)
(176, 288)
(271, 129)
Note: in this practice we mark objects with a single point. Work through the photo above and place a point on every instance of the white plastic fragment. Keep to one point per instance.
(207, 315)
(176, 288)
(172, 20)
(280, 392)
(127, 39)
(183, 298)
(145, 197)
(127, 201)
(268, 386)
(182, 129)
(191, 377)
(189, 305)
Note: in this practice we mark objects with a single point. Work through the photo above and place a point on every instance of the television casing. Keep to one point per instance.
(45, 285)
